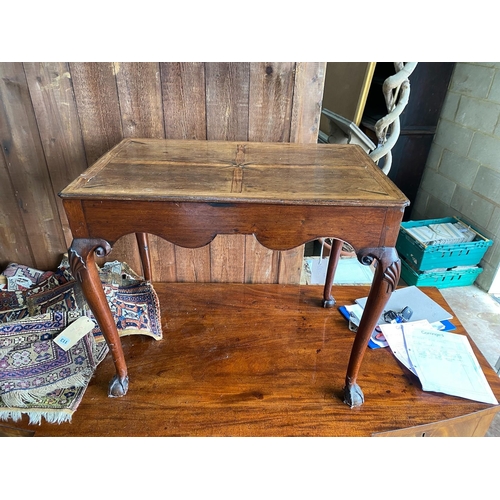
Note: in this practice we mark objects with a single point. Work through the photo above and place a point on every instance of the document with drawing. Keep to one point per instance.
(444, 362)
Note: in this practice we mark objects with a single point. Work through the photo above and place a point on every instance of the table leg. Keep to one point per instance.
(83, 266)
(143, 242)
(328, 300)
(384, 283)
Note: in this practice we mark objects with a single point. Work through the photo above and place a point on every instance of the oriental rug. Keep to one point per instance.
(21, 277)
(134, 306)
(39, 378)
(136, 310)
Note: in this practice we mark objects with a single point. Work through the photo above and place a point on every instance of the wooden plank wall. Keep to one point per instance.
(58, 118)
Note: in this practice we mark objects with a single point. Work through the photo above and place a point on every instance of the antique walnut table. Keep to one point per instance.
(285, 194)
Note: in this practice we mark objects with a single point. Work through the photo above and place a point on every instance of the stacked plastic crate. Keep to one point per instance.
(440, 252)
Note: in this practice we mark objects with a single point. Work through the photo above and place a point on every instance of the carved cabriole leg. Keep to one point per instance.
(328, 300)
(143, 242)
(384, 283)
(82, 260)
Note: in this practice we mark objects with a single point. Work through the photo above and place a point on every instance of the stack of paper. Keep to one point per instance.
(444, 362)
(442, 234)
(467, 233)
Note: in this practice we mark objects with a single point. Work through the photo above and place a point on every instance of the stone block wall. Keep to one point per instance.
(462, 174)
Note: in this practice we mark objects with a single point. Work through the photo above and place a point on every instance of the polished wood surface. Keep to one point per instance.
(8, 431)
(263, 360)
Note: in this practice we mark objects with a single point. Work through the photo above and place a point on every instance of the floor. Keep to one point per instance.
(479, 313)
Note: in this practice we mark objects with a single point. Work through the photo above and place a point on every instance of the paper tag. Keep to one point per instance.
(74, 332)
(14, 282)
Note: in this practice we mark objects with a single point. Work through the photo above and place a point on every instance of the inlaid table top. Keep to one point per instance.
(222, 171)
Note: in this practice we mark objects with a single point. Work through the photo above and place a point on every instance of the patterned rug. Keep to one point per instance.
(135, 306)
(19, 277)
(39, 378)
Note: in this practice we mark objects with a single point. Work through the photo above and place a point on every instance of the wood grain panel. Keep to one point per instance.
(270, 108)
(192, 264)
(290, 266)
(183, 93)
(98, 106)
(14, 243)
(304, 128)
(474, 425)
(57, 117)
(141, 107)
(307, 100)
(227, 95)
(196, 224)
(139, 93)
(28, 169)
(227, 98)
(227, 259)
(261, 264)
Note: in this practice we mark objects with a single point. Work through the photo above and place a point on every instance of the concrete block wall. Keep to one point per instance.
(462, 174)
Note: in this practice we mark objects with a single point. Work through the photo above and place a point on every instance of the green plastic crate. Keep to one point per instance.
(439, 279)
(425, 257)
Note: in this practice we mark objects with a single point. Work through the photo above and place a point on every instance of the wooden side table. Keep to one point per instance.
(285, 194)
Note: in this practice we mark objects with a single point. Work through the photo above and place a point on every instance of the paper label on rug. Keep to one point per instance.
(74, 332)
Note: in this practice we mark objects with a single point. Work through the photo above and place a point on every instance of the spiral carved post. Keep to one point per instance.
(385, 281)
(396, 91)
(83, 266)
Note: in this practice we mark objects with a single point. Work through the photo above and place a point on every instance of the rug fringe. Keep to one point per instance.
(10, 414)
(23, 398)
(35, 416)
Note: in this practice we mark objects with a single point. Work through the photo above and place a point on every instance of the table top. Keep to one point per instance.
(228, 171)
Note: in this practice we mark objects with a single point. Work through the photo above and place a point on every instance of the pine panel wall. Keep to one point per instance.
(58, 118)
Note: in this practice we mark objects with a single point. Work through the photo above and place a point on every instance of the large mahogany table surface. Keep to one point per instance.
(285, 194)
(264, 360)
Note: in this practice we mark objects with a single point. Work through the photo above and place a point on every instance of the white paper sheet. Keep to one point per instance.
(445, 362)
(357, 311)
(393, 333)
